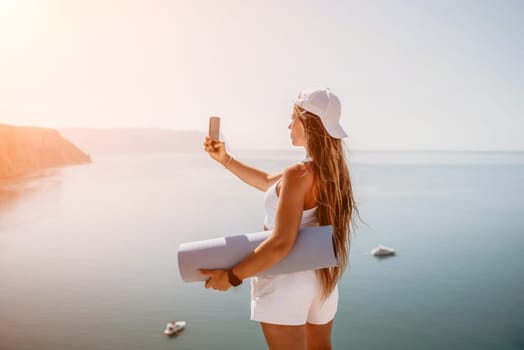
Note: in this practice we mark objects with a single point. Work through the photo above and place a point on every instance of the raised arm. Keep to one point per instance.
(252, 176)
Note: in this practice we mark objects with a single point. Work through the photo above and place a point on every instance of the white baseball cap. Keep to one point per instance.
(325, 104)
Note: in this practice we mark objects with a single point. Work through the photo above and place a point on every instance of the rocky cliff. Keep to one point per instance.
(27, 149)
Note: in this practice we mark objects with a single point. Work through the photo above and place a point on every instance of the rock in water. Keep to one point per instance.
(382, 251)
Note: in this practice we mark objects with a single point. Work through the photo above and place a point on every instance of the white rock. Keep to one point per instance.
(174, 327)
(381, 250)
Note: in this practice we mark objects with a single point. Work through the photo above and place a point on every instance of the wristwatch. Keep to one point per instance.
(234, 280)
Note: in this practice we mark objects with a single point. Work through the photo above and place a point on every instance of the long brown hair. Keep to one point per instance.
(336, 204)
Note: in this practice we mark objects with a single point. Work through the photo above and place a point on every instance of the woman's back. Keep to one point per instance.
(309, 216)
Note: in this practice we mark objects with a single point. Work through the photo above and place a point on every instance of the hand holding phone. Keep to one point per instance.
(213, 146)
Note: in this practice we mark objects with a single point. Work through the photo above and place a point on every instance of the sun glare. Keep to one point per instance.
(10, 10)
(8, 4)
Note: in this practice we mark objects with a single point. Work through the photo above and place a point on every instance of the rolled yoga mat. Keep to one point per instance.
(313, 249)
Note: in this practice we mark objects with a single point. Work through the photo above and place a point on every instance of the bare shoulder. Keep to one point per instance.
(299, 175)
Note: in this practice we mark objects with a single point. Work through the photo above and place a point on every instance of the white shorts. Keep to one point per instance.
(291, 299)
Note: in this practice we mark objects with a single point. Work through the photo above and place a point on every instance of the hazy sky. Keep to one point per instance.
(423, 74)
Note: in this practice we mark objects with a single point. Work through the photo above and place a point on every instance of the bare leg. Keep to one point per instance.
(318, 336)
(284, 337)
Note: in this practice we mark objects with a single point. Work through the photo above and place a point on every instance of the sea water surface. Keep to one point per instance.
(88, 254)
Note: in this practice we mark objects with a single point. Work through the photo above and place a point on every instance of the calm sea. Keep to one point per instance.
(88, 254)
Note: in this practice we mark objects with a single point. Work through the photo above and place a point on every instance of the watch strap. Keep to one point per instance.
(233, 279)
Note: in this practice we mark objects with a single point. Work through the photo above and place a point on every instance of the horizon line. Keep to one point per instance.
(280, 148)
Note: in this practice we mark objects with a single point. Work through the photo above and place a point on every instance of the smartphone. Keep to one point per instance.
(214, 128)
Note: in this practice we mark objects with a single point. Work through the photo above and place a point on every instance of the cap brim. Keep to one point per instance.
(335, 130)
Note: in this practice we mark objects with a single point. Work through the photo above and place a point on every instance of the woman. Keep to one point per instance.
(296, 310)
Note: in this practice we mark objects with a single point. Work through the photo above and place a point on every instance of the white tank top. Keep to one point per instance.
(309, 217)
